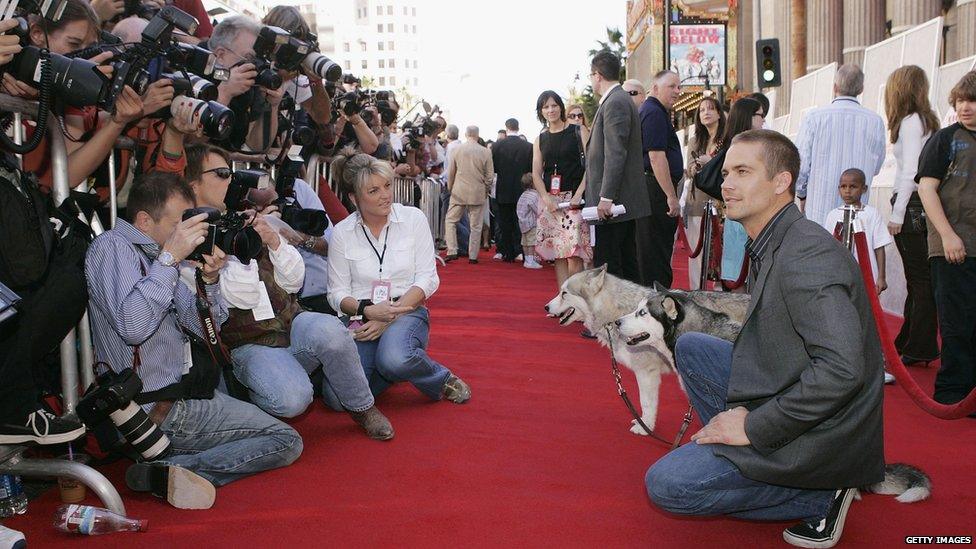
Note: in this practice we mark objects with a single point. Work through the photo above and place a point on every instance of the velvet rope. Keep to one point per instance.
(743, 273)
(958, 410)
(683, 238)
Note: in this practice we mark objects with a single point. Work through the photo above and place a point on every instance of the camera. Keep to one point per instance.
(48, 9)
(138, 9)
(307, 220)
(8, 302)
(418, 129)
(287, 52)
(231, 232)
(349, 103)
(216, 120)
(111, 399)
(76, 82)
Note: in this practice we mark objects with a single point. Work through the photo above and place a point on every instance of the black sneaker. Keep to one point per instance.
(42, 427)
(825, 532)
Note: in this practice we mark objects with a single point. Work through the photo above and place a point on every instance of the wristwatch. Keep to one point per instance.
(361, 309)
(167, 260)
(309, 243)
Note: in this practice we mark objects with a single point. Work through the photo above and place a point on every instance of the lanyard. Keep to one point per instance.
(386, 240)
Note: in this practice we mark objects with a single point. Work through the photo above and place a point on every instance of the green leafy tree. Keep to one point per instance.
(613, 44)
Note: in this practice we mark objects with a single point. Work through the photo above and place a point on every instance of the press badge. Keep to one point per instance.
(381, 291)
(264, 310)
(555, 184)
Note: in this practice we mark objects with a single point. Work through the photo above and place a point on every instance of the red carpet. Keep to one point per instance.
(540, 456)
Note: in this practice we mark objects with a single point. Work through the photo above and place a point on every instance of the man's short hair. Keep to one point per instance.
(607, 65)
(195, 156)
(661, 74)
(227, 30)
(452, 132)
(849, 80)
(151, 191)
(511, 125)
(471, 131)
(855, 174)
(777, 152)
(964, 90)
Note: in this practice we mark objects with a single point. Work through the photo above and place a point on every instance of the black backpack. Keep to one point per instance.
(28, 238)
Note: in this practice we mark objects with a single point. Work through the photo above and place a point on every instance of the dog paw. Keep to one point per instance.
(637, 429)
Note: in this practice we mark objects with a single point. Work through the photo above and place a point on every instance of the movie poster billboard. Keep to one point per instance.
(697, 53)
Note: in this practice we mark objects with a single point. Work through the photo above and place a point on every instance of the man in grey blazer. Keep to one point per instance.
(792, 410)
(615, 170)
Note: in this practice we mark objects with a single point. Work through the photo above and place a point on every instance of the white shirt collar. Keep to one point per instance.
(604, 96)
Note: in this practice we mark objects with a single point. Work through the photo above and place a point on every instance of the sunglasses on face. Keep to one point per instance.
(633, 93)
(576, 115)
(223, 173)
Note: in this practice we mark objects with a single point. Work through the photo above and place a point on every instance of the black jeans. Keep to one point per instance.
(510, 238)
(46, 316)
(955, 299)
(616, 248)
(918, 335)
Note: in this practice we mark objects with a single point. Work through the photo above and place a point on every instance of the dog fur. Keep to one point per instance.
(597, 299)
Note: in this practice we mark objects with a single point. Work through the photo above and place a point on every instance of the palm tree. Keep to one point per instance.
(613, 44)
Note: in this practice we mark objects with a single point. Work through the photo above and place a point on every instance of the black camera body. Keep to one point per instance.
(48, 9)
(231, 232)
(418, 129)
(307, 220)
(112, 399)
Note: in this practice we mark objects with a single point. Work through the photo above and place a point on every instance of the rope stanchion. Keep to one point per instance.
(962, 408)
(739, 282)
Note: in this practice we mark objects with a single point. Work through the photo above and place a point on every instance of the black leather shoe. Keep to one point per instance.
(473, 261)
(912, 361)
(825, 532)
(449, 258)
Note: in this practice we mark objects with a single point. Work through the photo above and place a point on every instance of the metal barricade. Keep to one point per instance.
(11, 458)
(430, 204)
(403, 190)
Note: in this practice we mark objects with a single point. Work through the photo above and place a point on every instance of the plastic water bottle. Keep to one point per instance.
(91, 521)
(13, 500)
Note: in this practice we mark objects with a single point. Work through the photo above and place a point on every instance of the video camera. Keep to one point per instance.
(111, 398)
(276, 46)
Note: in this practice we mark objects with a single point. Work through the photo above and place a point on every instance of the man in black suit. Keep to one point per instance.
(792, 409)
(615, 170)
(512, 158)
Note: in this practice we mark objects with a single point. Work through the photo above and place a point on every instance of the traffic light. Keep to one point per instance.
(767, 63)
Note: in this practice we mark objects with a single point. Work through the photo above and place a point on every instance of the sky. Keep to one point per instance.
(489, 61)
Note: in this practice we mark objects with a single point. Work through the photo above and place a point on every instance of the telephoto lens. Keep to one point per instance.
(320, 65)
(215, 119)
(139, 431)
(203, 88)
(77, 82)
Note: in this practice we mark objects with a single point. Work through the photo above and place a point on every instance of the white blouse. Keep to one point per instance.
(354, 256)
(911, 139)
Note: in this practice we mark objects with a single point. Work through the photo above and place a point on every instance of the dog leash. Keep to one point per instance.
(615, 370)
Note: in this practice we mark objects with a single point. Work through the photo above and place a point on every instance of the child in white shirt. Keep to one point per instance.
(851, 187)
(527, 210)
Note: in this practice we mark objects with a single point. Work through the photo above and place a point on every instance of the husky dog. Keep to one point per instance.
(676, 313)
(597, 299)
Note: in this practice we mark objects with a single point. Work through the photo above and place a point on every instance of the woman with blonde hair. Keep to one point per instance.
(576, 115)
(911, 121)
(381, 273)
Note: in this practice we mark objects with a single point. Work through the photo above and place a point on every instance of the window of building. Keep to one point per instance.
(382, 81)
(415, 29)
(404, 10)
(415, 63)
(382, 63)
(389, 10)
(364, 64)
(379, 46)
(348, 65)
(393, 80)
(379, 10)
(405, 29)
(345, 46)
(389, 45)
(392, 64)
(415, 15)
(414, 81)
(379, 27)
(389, 27)
(362, 46)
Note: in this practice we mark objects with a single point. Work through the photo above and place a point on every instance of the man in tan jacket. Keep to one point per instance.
(469, 178)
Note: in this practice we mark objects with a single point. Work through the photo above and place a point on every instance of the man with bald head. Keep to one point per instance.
(469, 178)
(835, 138)
(792, 409)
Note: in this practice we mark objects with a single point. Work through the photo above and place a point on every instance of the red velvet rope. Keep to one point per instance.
(683, 238)
(958, 410)
(743, 273)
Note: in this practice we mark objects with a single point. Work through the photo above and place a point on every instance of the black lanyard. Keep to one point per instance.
(386, 240)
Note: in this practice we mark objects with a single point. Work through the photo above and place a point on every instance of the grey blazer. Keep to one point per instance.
(614, 167)
(808, 366)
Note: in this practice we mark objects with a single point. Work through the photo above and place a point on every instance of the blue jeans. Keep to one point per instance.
(692, 480)
(400, 355)
(224, 439)
(277, 377)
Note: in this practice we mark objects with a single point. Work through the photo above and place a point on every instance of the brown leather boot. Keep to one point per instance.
(375, 424)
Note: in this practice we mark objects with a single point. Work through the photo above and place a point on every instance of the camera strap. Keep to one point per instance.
(211, 336)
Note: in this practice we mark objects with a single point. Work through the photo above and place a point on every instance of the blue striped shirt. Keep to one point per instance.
(128, 308)
(832, 139)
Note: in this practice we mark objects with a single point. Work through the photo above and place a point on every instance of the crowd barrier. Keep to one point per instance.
(76, 347)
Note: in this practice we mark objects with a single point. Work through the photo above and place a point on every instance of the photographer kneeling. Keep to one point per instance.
(144, 318)
(382, 270)
(274, 343)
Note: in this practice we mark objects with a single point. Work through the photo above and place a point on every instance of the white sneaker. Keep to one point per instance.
(889, 379)
(531, 263)
(497, 257)
(11, 538)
